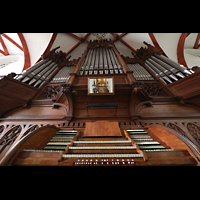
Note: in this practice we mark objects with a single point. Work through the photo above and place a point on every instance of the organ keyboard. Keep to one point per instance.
(60, 141)
(100, 141)
(132, 148)
(144, 141)
(104, 147)
(134, 155)
(104, 150)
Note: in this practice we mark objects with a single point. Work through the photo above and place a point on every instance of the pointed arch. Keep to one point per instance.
(180, 49)
(155, 42)
(27, 60)
(53, 37)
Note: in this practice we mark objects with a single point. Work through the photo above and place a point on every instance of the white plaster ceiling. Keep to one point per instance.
(28, 47)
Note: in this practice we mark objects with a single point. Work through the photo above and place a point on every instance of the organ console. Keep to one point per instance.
(123, 99)
(135, 147)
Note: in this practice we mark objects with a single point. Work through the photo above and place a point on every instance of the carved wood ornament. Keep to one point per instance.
(100, 43)
(194, 131)
(153, 90)
(50, 92)
(60, 57)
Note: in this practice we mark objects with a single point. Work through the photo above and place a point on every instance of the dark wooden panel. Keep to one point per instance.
(14, 94)
(187, 87)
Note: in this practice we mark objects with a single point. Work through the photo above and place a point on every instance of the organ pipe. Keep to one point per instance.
(169, 70)
(139, 72)
(175, 65)
(39, 73)
(101, 61)
(31, 69)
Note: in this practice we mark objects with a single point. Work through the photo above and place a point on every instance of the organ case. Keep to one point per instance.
(138, 84)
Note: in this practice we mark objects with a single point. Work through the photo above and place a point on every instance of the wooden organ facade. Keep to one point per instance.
(102, 109)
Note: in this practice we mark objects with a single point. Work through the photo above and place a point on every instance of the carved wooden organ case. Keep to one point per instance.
(147, 88)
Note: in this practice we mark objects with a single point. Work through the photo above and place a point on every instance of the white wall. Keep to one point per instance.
(66, 42)
(136, 39)
(37, 43)
(168, 42)
(192, 56)
(16, 65)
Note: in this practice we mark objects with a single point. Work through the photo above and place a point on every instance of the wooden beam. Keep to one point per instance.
(113, 34)
(117, 37)
(73, 48)
(53, 37)
(180, 49)
(155, 42)
(123, 34)
(121, 40)
(4, 47)
(130, 47)
(86, 37)
(12, 41)
(76, 45)
(27, 59)
(73, 35)
(197, 41)
(2, 52)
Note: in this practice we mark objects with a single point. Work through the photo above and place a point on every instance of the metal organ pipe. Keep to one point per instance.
(157, 72)
(112, 59)
(97, 59)
(31, 75)
(63, 74)
(165, 65)
(108, 58)
(31, 69)
(139, 72)
(171, 71)
(39, 73)
(100, 60)
(175, 65)
(105, 59)
(83, 64)
(158, 66)
(46, 75)
(93, 59)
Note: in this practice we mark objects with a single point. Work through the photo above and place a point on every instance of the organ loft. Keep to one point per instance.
(101, 109)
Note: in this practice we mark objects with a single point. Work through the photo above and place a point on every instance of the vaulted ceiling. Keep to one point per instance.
(19, 51)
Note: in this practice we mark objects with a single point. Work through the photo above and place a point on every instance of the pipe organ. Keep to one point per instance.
(100, 60)
(103, 109)
(63, 74)
(166, 69)
(139, 72)
(37, 75)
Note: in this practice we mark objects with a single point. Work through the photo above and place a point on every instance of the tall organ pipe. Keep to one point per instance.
(108, 58)
(32, 75)
(105, 59)
(31, 69)
(93, 59)
(44, 76)
(100, 58)
(174, 64)
(97, 59)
